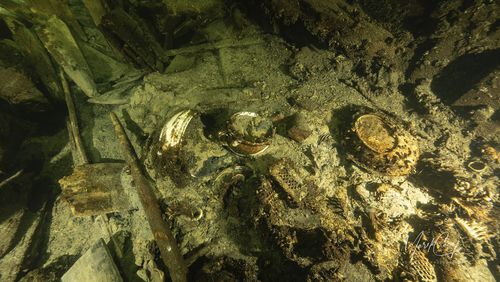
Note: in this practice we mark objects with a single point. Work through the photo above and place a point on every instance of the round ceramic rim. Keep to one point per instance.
(384, 121)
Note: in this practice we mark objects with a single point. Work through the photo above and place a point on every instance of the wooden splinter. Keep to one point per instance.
(164, 237)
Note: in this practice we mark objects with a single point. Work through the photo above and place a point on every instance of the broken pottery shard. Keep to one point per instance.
(59, 41)
(95, 265)
(94, 189)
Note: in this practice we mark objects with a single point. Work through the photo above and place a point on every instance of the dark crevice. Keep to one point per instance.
(295, 33)
(412, 102)
(4, 30)
(422, 24)
(414, 16)
(417, 55)
(462, 74)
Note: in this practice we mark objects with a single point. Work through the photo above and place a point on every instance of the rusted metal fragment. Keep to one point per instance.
(290, 180)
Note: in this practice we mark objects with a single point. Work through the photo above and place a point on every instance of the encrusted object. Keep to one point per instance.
(470, 188)
(299, 130)
(452, 252)
(185, 208)
(491, 153)
(475, 231)
(248, 133)
(289, 179)
(475, 211)
(478, 236)
(418, 265)
(230, 176)
(380, 246)
(378, 142)
(302, 192)
(299, 217)
(183, 152)
(439, 174)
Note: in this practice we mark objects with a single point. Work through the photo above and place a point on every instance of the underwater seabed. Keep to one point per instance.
(249, 151)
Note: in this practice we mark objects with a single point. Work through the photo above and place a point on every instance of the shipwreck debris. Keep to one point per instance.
(299, 130)
(36, 54)
(379, 143)
(477, 166)
(91, 189)
(419, 268)
(173, 131)
(164, 237)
